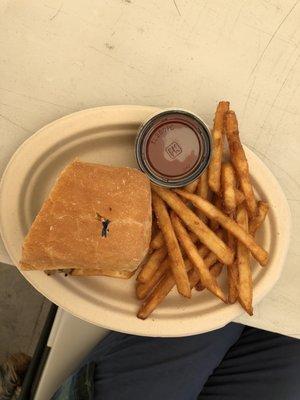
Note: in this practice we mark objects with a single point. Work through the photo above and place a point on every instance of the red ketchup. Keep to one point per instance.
(173, 148)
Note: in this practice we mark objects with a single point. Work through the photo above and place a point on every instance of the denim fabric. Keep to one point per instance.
(231, 363)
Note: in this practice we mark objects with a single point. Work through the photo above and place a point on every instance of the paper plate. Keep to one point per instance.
(106, 135)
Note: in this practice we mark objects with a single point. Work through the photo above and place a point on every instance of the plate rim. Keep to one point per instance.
(180, 331)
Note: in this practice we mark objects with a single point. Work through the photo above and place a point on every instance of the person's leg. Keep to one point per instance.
(131, 367)
(260, 365)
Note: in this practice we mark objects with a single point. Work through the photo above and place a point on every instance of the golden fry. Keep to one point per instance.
(154, 261)
(228, 187)
(159, 293)
(233, 195)
(203, 191)
(232, 273)
(245, 286)
(166, 285)
(203, 251)
(157, 241)
(193, 254)
(176, 259)
(143, 289)
(191, 187)
(214, 213)
(256, 222)
(206, 235)
(218, 203)
(239, 197)
(202, 188)
(157, 296)
(194, 238)
(215, 271)
(233, 279)
(210, 259)
(239, 160)
(214, 168)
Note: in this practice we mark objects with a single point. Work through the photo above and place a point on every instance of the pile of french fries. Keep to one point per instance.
(206, 227)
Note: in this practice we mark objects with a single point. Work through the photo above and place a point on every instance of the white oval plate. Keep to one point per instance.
(106, 135)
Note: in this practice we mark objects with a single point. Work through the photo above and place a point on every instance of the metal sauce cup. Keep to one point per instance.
(173, 148)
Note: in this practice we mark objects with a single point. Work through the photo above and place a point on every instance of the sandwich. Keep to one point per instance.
(96, 221)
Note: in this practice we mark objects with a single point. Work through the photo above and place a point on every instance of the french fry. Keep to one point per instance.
(157, 296)
(232, 277)
(209, 261)
(256, 222)
(239, 197)
(191, 187)
(228, 184)
(202, 191)
(205, 235)
(203, 251)
(159, 293)
(245, 277)
(214, 213)
(142, 289)
(177, 263)
(194, 238)
(195, 217)
(214, 225)
(210, 258)
(197, 261)
(193, 277)
(154, 261)
(214, 168)
(239, 161)
(166, 285)
(157, 241)
(202, 188)
(232, 273)
(215, 271)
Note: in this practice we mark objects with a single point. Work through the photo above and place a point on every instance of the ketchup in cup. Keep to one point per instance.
(173, 148)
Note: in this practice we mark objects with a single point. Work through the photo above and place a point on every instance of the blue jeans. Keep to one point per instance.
(231, 363)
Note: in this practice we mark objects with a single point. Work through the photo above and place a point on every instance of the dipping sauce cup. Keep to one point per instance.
(173, 148)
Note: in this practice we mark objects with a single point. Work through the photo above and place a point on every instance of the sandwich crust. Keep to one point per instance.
(96, 217)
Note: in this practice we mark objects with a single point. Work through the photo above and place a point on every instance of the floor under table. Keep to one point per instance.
(23, 312)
